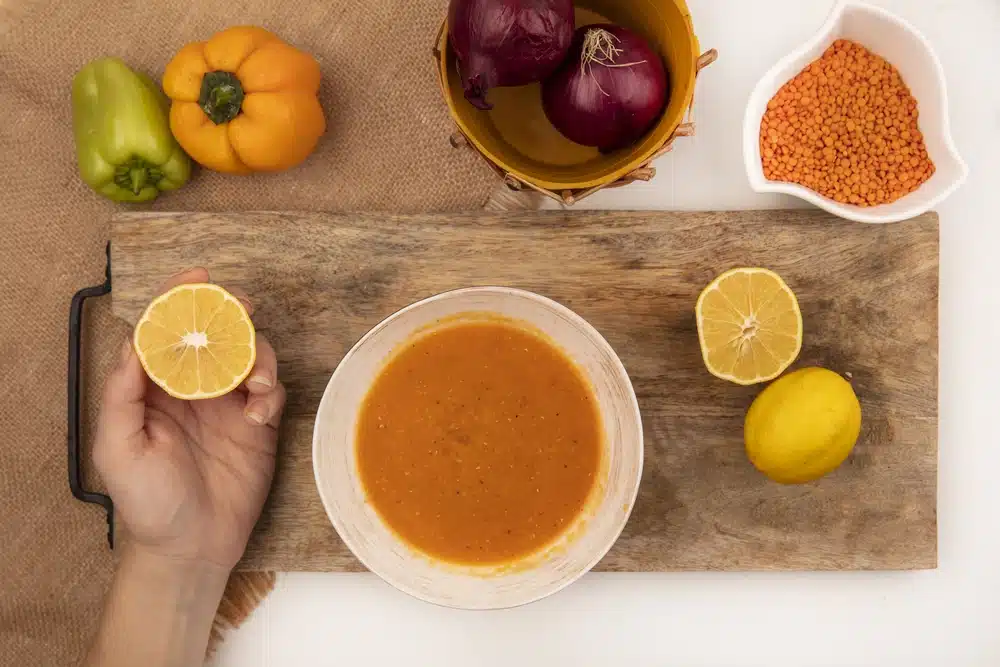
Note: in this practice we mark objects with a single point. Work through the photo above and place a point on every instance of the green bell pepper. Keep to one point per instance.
(124, 147)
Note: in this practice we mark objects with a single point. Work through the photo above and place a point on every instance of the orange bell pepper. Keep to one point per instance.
(244, 101)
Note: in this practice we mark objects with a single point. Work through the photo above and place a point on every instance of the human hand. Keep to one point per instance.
(189, 479)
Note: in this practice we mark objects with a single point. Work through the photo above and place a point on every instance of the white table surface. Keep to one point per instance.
(949, 616)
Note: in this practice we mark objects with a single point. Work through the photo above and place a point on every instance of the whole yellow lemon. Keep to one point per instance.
(802, 426)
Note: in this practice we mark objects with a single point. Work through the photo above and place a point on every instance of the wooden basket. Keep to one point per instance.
(520, 172)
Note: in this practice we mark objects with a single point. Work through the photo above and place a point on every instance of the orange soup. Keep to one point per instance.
(479, 442)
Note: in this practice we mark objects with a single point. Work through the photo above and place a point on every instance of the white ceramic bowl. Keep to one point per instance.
(909, 51)
(466, 587)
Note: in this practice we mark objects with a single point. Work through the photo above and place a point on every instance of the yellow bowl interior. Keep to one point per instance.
(516, 136)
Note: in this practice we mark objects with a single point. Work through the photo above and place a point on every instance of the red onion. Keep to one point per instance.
(507, 42)
(610, 90)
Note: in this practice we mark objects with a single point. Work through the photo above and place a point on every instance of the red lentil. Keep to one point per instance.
(846, 127)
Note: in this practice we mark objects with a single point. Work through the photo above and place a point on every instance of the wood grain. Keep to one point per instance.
(869, 298)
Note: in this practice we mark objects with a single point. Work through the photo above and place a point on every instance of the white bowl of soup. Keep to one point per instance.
(479, 449)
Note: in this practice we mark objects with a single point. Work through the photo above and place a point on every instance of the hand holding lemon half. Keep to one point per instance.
(804, 424)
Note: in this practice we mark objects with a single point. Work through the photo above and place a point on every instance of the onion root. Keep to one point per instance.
(599, 47)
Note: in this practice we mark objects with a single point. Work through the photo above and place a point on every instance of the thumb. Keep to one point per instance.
(123, 409)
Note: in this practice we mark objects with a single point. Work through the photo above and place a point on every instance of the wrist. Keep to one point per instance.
(159, 611)
(194, 578)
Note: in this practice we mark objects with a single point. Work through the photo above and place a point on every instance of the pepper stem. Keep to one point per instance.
(138, 178)
(135, 174)
(221, 96)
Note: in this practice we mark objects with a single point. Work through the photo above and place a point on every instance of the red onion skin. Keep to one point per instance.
(507, 42)
(632, 101)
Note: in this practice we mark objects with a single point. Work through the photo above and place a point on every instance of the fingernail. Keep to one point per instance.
(262, 380)
(255, 416)
(126, 351)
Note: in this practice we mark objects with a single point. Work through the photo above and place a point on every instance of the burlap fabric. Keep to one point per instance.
(386, 148)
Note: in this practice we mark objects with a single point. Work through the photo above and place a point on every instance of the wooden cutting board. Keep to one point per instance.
(869, 299)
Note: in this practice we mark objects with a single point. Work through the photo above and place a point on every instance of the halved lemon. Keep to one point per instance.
(749, 326)
(196, 341)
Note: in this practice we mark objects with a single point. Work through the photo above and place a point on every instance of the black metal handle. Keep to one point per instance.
(73, 392)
